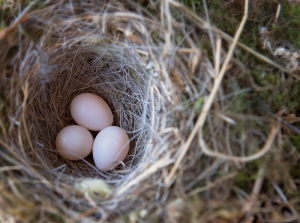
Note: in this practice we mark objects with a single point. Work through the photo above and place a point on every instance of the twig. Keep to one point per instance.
(285, 200)
(8, 168)
(144, 175)
(218, 55)
(254, 156)
(255, 192)
(278, 12)
(212, 184)
(210, 33)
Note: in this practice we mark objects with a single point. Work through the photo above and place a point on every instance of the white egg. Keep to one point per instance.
(110, 147)
(74, 142)
(91, 111)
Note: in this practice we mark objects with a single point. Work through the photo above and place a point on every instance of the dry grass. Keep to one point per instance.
(163, 91)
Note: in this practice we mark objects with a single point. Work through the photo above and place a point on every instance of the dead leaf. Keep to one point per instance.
(177, 78)
(291, 118)
(133, 37)
(276, 216)
(282, 111)
(195, 62)
(229, 214)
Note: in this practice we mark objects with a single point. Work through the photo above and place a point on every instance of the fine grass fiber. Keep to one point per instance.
(211, 110)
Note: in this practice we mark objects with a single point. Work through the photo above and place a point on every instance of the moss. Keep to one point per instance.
(294, 97)
(288, 27)
(281, 95)
(264, 77)
(295, 139)
(227, 17)
(55, 217)
(178, 39)
(3, 111)
(2, 27)
(199, 102)
(240, 103)
(29, 34)
(246, 176)
(195, 4)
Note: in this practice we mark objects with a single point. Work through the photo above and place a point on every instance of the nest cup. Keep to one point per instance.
(112, 72)
(39, 80)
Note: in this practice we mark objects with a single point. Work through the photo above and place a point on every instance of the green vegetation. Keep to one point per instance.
(285, 32)
(199, 102)
(55, 217)
(227, 15)
(288, 27)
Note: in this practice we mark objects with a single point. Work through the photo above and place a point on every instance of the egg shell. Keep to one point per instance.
(110, 146)
(91, 111)
(74, 142)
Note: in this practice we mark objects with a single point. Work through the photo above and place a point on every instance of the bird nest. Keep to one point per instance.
(156, 85)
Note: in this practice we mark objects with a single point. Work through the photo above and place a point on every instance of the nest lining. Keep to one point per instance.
(105, 71)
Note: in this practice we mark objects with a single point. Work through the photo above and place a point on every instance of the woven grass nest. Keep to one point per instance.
(177, 170)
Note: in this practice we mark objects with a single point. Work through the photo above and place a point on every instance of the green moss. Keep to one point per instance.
(238, 128)
(3, 110)
(29, 34)
(295, 139)
(246, 176)
(55, 217)
(155, 35)
(265, 78)
(195, 4)
(288, 27)
(2, 27)
(242, 176)
(199, 102)
(178, 39)
(294, 97)
(239, 104)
